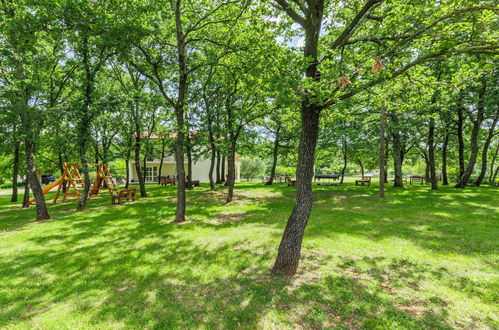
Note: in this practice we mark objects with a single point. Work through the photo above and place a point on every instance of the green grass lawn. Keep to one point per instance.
(418, 258)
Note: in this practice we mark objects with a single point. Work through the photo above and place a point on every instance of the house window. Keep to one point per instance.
(151, 174)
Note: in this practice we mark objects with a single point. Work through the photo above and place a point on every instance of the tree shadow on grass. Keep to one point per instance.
(146, 272)
(443, 221)
(145, 279)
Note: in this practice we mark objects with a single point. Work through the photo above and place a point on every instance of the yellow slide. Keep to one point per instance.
(49, 187)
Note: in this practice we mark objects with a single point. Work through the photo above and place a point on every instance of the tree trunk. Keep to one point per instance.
(460, 139)
(492, 163)
(231, 163)
(397, 154)
(218, 181)
(463, 180)
(138, 169)
(26, 193)
(84, 121)
(382, 153)
(137, 149)
(223, 176)
(179, 113)
(179, 159)
(188, 148)
(163, 147)
(427, 167)
(97, 152)
(289, 250)
(32, 177)
(127, 175)
(275, 153)
(212, 165)
(493, 181)
(288, 255)
(445, 179)
(61, 170)
(15, 173)
(21, 106)
(213, 149)
(86, 178)
(431, 154)
(345, 159)
(386, 154)
(485, 150)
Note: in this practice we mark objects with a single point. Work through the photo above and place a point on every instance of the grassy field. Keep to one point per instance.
(418, 258)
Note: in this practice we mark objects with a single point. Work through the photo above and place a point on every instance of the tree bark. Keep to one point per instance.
(212, 167)
(188, 149)
(359, 161)
(427, 166)
(127, 173)
(397, 153)
(460, 139)
(32, 177)
(492, 163)
(84, 120)
(26, 193)
(231, 164)
(463, 181)
(218, 181)
(15, 173)
(382, 153)
(275, 153)
(223, 176)
(289, 250)
(495, 176)
(127, 161)
(288, 255)
(163, 147)
(213, 149)
(386, 154)
(138, 143)
(445, 179)
(345, 159)
(485, 150)
(179, 159)
(431, 154)
(179, 113)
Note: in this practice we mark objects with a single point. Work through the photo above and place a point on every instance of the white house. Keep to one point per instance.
(200, 169)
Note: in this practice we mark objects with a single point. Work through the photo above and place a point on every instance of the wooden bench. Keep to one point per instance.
(365, 179)
(165, 181)
(290, 181)
(195, 183)
(415, 179)
(130, 193)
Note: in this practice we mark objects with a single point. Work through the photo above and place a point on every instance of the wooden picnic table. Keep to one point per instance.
(416, 178)
(325, 177)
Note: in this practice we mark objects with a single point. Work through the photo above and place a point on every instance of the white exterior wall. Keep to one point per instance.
(200, 169)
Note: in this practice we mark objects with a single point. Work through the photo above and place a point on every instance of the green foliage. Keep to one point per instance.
(252, 167)
(285, 170)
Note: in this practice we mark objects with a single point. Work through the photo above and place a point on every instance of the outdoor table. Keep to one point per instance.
(325, 177)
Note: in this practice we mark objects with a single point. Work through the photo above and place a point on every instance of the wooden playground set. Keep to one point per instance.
(70, 183)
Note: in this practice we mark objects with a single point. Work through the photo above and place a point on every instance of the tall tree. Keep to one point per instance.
(23, 48)
(342, 26)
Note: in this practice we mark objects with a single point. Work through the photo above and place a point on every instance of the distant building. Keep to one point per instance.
(200, 169)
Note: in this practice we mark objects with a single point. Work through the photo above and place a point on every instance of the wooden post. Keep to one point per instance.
(382, 160)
